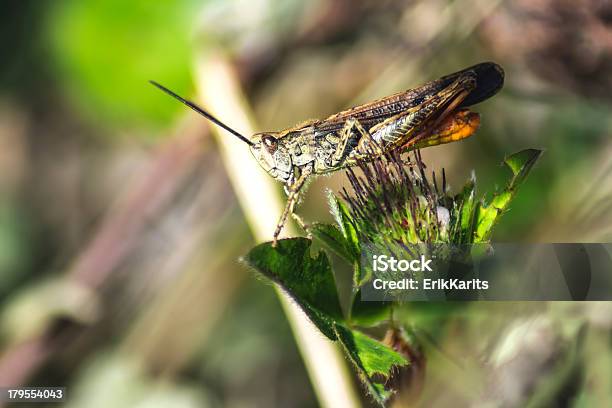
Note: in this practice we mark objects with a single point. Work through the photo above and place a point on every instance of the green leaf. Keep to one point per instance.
(369, 313)
(373, 360)
(487, 215)
(309, 281)
(346, 225)
(333, 239)
(463, 230)
(521, 163)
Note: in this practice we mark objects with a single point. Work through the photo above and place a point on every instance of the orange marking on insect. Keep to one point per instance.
(461, 124)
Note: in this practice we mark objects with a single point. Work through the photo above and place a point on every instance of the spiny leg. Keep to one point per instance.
(353, 129)
(300, 222)
(372, 145)
(289, 207)
(408, 130)
(390, 134)
(292, 198)
(394, 131)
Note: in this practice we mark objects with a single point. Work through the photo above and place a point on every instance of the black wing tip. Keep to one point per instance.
(491, 72)
(489, 80)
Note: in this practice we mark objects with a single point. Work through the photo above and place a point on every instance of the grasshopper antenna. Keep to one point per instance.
(203, 113)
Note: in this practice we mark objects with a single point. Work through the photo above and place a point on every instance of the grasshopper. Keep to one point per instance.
(432, 114)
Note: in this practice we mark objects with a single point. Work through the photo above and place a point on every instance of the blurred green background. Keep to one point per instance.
(119, 230)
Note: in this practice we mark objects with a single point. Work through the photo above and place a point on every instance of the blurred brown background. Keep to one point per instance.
(119, 229)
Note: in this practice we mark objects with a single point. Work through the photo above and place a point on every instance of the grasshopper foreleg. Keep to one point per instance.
(302, 224)
(293, 191)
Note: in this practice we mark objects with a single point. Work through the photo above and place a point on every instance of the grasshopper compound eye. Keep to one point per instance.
(269, 142)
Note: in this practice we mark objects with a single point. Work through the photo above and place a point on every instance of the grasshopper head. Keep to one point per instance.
(272, 155)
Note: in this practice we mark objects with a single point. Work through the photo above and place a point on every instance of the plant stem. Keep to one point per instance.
(220, 93)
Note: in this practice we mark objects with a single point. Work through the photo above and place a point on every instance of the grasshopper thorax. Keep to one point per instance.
(272, 155)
